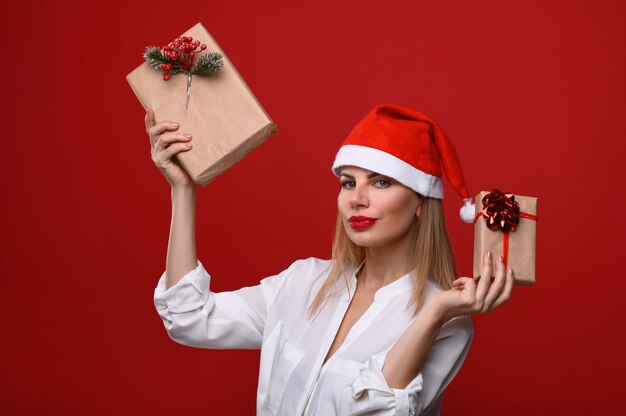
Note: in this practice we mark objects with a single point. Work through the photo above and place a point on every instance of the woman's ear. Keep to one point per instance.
(419, 207)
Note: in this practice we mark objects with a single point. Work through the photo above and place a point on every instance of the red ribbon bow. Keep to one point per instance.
(500, 210)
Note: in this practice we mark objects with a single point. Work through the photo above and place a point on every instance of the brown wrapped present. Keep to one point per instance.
(506, 224)
(223, 115)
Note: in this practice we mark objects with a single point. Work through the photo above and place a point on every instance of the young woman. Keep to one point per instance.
(383, 327)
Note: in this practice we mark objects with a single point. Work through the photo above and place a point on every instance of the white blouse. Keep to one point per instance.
(293, 378)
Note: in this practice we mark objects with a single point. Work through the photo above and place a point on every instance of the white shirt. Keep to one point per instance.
(293, 378)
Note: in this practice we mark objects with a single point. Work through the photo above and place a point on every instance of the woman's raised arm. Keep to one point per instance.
(165, 144)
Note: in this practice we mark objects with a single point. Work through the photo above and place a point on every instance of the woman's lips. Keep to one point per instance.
(361, 223)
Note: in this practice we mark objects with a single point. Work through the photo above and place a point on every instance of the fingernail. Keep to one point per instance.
(174, 124)
(188, 144)
(510, 271)
(187, 136)
(489, 254)
(501, 259)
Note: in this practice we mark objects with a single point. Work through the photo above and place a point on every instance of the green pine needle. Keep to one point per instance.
(154, 57)
(208, 64)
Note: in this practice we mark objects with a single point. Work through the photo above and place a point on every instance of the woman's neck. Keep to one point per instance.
(387, 263)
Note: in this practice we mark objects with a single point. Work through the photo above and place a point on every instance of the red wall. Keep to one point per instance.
(532, 93)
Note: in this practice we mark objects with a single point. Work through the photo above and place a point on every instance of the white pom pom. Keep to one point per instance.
(468, 211)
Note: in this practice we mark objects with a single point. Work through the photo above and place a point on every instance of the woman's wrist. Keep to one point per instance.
(433, 312)
(189, 190)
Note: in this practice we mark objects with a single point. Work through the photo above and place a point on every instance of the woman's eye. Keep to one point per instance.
(348, 184)
(382, 183)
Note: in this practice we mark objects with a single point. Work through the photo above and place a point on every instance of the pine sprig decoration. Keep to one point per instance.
(154, 57)
(178, 55)
(208, 64)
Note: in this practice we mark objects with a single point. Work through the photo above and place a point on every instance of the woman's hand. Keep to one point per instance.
(468, 296)
(165, 144)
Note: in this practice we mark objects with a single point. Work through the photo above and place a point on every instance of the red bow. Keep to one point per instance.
(500, 210)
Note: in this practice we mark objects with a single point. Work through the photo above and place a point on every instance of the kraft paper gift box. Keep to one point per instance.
(517, 247)
(224, 117)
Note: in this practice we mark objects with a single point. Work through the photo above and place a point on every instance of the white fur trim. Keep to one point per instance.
(388, 165)
(468, 211)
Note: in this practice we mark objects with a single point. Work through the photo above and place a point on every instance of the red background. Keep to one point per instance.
(531, 92)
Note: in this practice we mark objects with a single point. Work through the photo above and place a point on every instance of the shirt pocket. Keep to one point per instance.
(279, 359)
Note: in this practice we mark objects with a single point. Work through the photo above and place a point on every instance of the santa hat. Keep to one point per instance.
(408, 146)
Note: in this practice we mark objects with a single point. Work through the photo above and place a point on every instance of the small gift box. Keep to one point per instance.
(219, 111)
(506, 225)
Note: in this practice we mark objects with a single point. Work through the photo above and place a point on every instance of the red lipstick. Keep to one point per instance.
(360, 222)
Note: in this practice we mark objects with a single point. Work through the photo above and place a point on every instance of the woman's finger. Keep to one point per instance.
(167, 139)
(469, 289)
(175, 149)
(462, 281)
(507, 291)
(165, 156)
(485, 277)
(149, 120)
(495, 289)
(159, 128)
(468, 285)
(164, 142)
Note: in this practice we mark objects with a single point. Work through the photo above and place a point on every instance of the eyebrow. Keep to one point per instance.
(370, 176)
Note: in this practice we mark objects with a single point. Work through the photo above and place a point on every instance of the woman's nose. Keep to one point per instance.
(358, 198)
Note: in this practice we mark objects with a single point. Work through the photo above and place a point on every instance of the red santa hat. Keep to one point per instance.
(408, 146)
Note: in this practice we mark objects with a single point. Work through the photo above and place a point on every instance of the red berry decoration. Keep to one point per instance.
(181, 52)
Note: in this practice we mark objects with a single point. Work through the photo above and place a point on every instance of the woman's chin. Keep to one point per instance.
(363, 239)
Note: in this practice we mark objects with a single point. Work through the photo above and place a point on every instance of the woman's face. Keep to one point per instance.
(376, 210)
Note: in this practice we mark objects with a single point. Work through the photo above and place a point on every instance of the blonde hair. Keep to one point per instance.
(431, 255)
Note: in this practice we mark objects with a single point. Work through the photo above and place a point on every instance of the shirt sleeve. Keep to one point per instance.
(370, 393)
(193, 315)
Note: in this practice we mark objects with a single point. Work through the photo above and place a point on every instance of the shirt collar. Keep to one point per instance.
(398, 286)
(401, 285)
